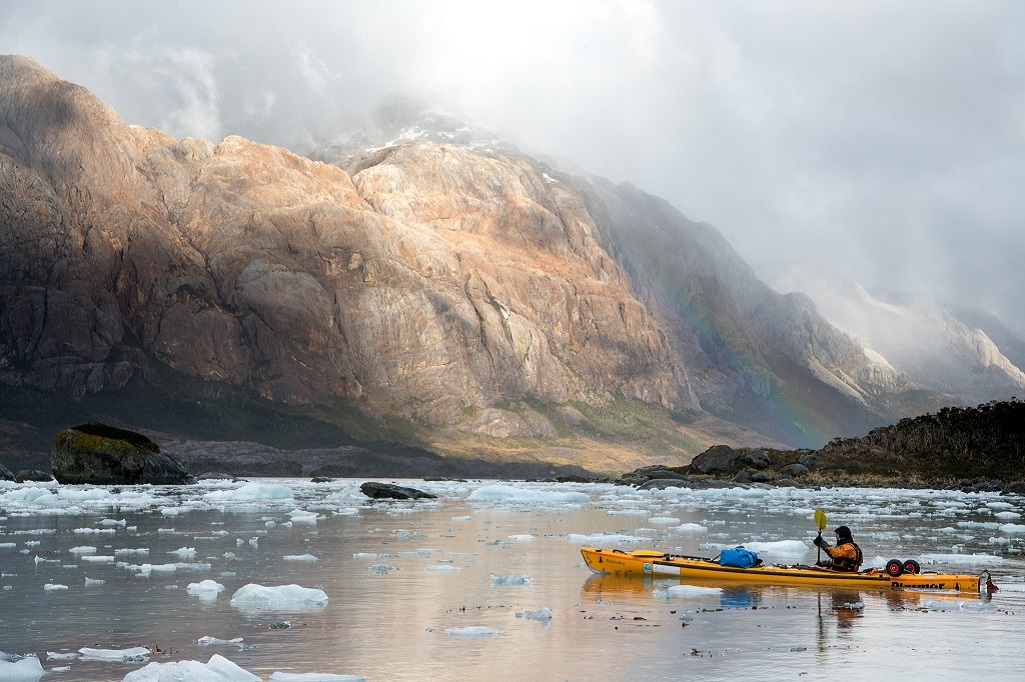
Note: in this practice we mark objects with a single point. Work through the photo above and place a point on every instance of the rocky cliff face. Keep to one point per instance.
(454, 288)
(935, 347)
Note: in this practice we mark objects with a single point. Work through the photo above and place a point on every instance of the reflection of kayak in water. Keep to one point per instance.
(616, 587)
(648, 562)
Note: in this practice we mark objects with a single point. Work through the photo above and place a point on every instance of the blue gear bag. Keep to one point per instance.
(738, 557)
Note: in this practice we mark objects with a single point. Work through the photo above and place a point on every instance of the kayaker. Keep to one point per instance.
(846, 556)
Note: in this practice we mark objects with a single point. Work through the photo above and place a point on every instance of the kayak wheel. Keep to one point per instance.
(911, 566)
(894, 568)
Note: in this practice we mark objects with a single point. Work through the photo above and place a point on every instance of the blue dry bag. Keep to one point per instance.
(739, 557)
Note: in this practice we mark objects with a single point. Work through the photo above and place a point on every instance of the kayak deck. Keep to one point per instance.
(647, 562)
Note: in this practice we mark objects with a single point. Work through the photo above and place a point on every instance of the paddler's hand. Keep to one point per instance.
(819, 542)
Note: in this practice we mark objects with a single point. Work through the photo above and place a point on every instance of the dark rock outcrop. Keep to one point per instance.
(1014, 488)
(382, 491)
(105, 455)
(757, 459)
(5, 474)
(718, 459)
(793, 471)
(33, 475)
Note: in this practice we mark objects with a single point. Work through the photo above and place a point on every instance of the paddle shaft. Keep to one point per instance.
(820, 523)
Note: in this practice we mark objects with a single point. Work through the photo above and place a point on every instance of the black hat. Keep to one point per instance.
(844, 533)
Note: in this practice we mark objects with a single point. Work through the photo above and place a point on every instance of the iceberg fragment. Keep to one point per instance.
(25, 670)
(280, 597)
(217, 669)
(472, 631)
(134, 654)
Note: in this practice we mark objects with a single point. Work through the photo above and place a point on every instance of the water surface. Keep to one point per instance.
(405, 580)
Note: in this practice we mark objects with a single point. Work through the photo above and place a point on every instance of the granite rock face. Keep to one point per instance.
(433, 283)
(97, 454)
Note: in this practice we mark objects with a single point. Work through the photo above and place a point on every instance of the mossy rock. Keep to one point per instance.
(98, 454)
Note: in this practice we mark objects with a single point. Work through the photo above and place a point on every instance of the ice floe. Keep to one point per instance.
(24, 670)
(473, 631)
(282, 597)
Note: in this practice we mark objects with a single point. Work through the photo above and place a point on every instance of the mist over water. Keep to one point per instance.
(489, 578)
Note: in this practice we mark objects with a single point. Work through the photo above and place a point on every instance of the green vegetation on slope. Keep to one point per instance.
(955, 443)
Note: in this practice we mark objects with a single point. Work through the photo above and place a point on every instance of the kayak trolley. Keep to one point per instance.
(896, 567)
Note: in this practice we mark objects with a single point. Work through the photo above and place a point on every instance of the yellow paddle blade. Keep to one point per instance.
(820, 520)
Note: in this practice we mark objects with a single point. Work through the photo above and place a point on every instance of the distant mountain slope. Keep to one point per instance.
(470, 300)
(939, 349)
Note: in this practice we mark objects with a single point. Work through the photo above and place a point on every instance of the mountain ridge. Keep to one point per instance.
(470, 302)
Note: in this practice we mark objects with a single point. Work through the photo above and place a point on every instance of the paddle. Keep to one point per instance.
(820, 522)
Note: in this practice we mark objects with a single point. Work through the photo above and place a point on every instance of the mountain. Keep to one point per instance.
(461, 298)
(946, 351)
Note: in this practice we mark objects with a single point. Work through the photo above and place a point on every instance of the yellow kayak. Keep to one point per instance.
(649, 562)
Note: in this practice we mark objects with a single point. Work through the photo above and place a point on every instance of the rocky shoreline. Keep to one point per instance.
(724, 467)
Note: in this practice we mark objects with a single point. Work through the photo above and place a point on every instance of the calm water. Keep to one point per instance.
(400, 576)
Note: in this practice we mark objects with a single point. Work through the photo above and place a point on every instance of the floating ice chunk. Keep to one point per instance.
(91, 581)
(205, 587)
(140, 550)
(598, 539)
(314, 677)
(94, 531)
(50, 587)
(508, 493)
(959, 605)
(27, 669)
(98, 559)
(544, 614)
(299, 557)
(369, 555)
(134, 654)
(82, 494)
(690, 528)
(281, 597)
(521, 537)
(462, 518)
(1012, 528)
(114, 522)
(57, 656)
(206, 641)
(85, 549)
(217, 669)
(1007, 515)
(794, 548)
(185, 552)
(472, 631)
(28, 495)
(663, 520)
(147, 569)
(510, 579)
(685, 591)
(969, 559)
(441, 568)
(300, 516)
(11, 545)
(347, 511)
(252, 491)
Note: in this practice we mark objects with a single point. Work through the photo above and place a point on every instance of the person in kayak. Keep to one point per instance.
(845, 556)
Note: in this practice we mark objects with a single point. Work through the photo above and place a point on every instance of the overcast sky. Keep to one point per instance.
(884, 140)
